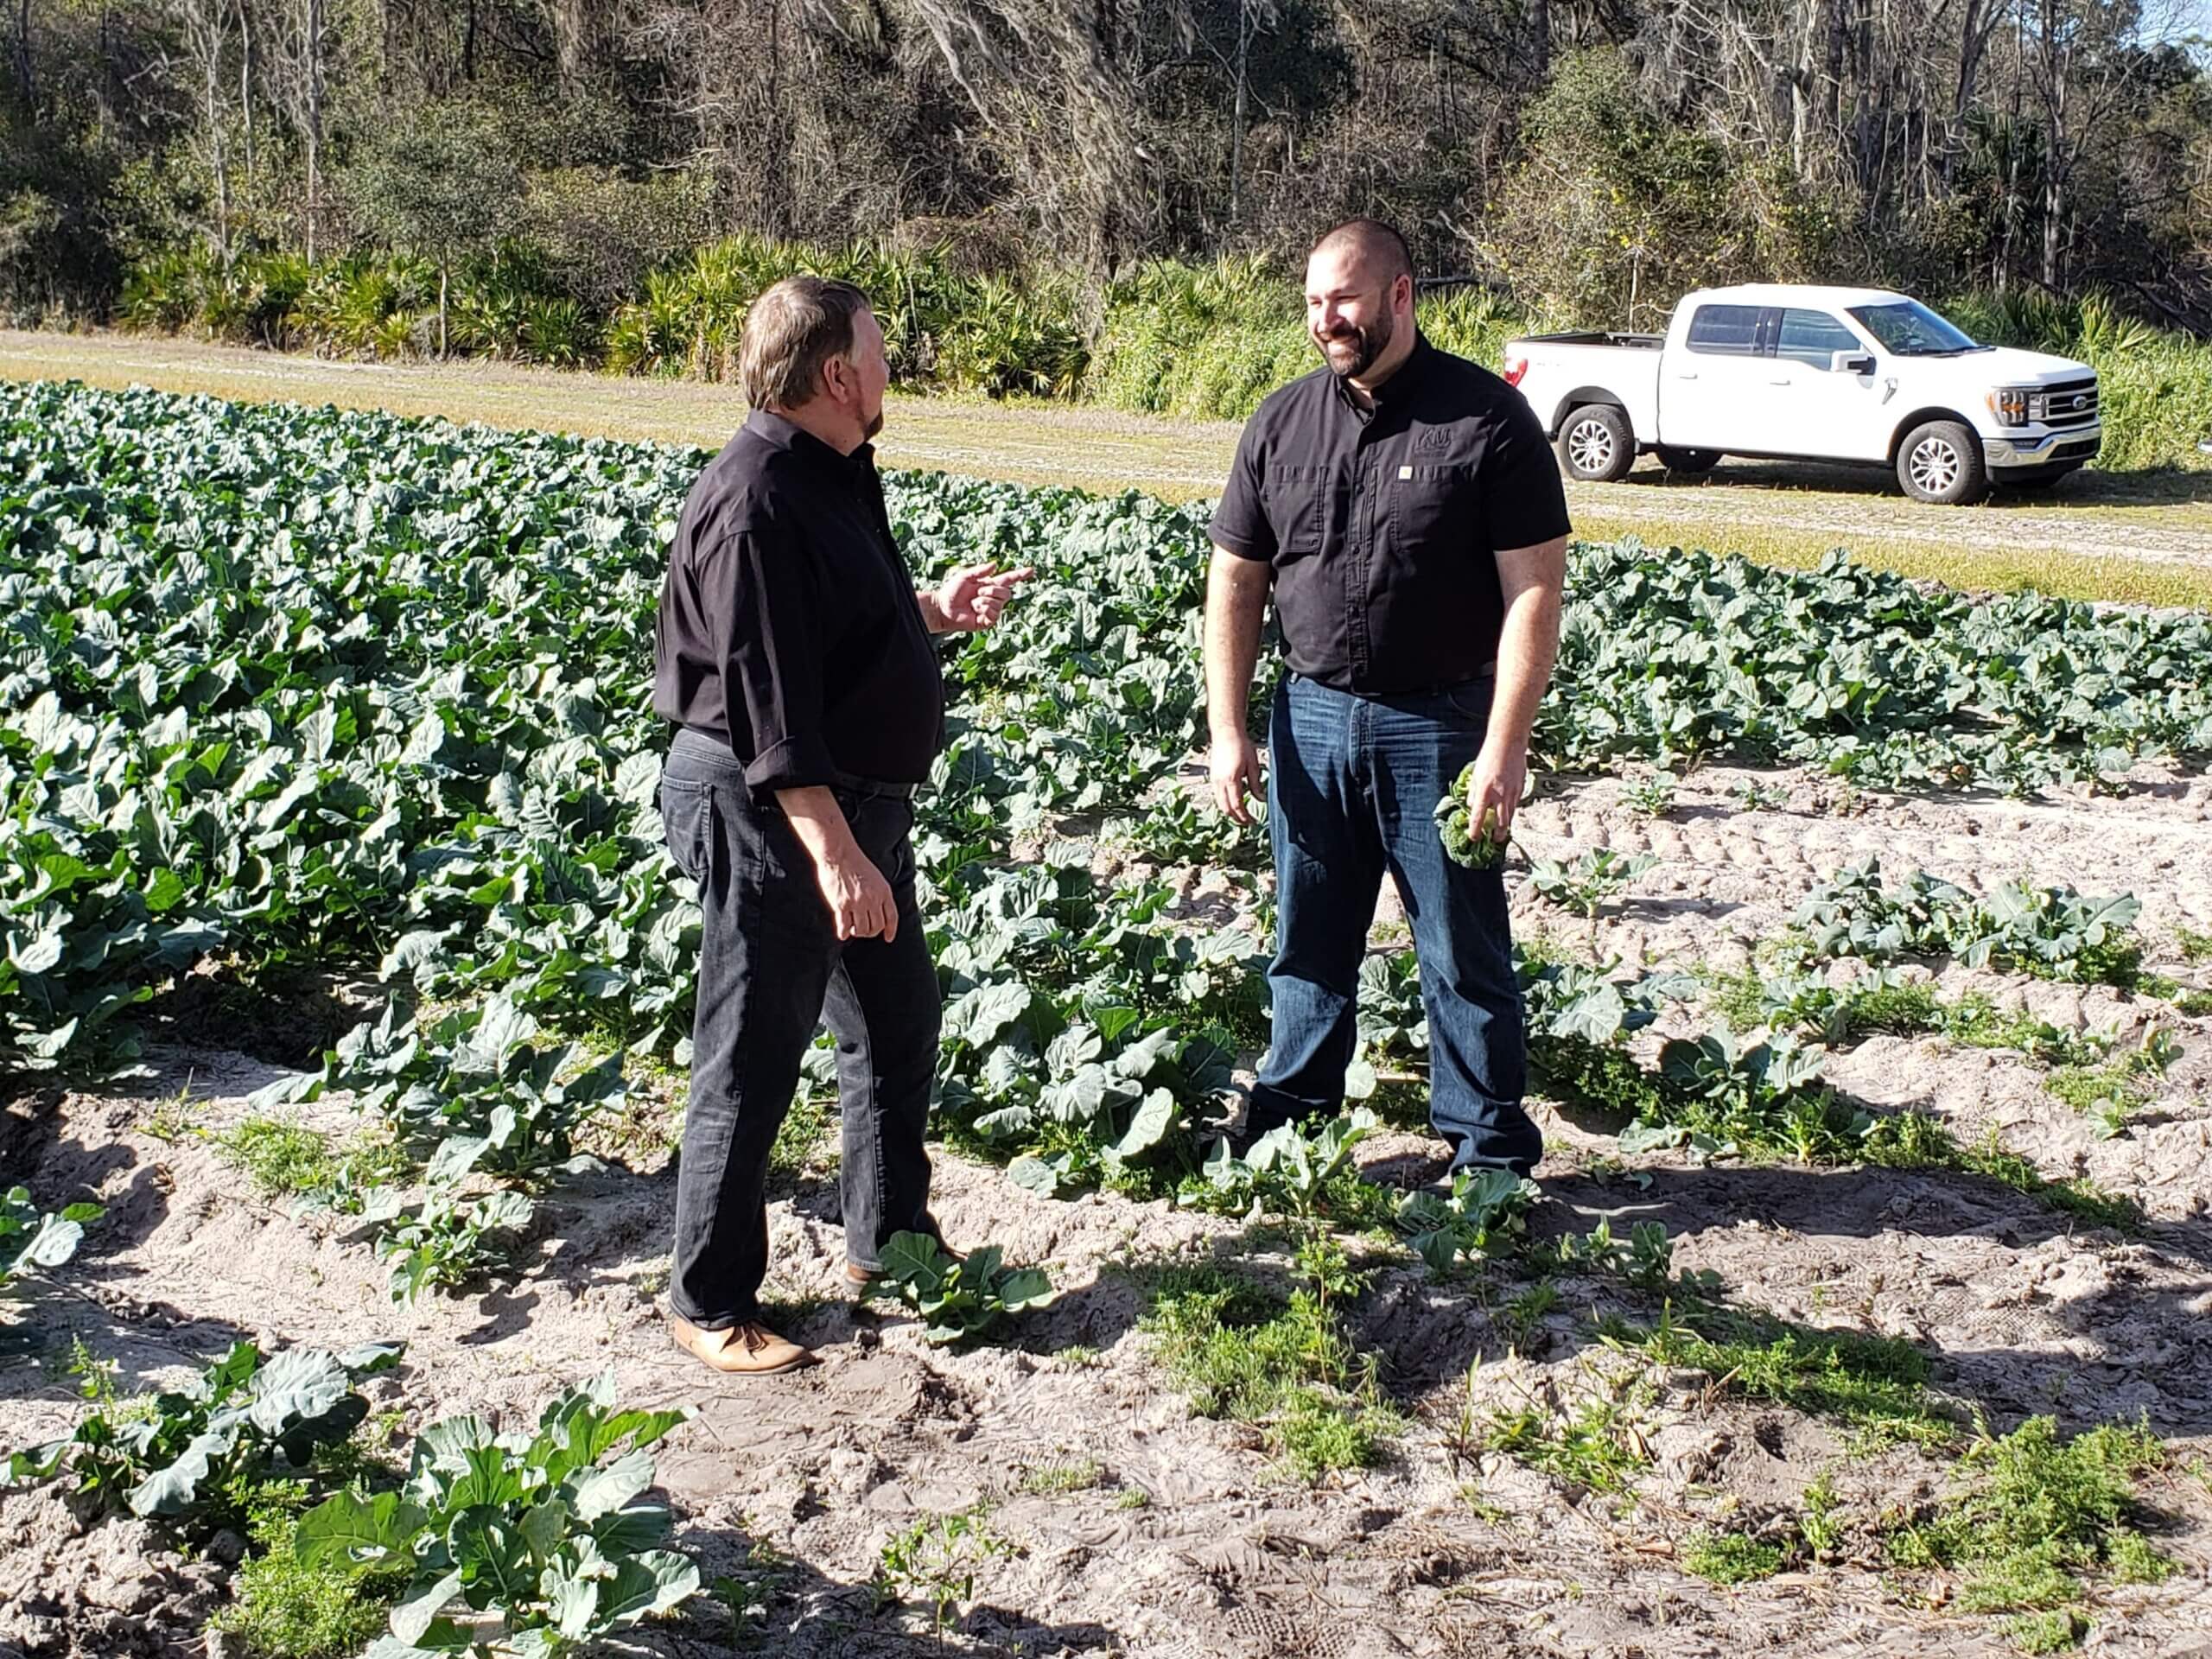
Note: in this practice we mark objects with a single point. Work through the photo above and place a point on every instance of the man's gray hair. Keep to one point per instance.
(790, 332)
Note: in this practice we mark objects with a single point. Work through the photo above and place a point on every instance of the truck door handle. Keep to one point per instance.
(1784, 381)
(1686, 376)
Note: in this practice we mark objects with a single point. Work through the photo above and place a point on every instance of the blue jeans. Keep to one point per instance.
(1352, 787)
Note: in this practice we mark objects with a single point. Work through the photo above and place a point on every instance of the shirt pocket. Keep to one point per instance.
(1434, 507)
(1295, 498)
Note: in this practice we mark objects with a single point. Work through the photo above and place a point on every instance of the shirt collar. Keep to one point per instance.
(780, 432)
(1400, 386)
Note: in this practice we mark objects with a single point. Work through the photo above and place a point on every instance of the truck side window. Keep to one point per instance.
(1726, 330)
(1812, 337)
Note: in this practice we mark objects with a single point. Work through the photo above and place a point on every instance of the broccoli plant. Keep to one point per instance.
(1653, 794)
(1484, 1210)
(1584, 885)
(1764, 1094)
(473, 1089)
(956, 1300)
(32, 1241)
(445, 1240)
(2054, 932)
(191, 1456)
(1288, 1169)
(1854, 915)
(1482, 849)
(549, 1534)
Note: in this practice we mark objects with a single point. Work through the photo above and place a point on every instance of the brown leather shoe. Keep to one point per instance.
(748, 1349)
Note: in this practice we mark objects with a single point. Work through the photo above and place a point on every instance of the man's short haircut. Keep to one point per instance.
(790, 333)
(1379, 247)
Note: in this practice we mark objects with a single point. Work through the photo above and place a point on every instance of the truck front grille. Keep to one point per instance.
(2072, 403)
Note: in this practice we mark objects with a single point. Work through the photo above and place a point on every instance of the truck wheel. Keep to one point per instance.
(1692, 461)
(1941, 461)
(1595, 443)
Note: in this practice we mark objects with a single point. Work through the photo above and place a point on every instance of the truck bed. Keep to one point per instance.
(1594, 337)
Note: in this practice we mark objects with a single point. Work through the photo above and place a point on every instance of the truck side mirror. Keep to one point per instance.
(1851, 362)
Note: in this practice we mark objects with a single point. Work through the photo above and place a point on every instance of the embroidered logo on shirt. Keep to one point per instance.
(1432, 440)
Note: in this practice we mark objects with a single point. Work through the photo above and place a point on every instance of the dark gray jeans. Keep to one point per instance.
(771, 970)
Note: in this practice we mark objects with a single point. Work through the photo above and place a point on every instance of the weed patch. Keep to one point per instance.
(1052, 1479)
(1594, 1447)
(1915, 1141)
(2041, 1514)
(2114, 1092)
(1731, 1558)
(1240, 1351)
(936, 1559)
(280, 1157)
(1875, 1384)
(286, 1608)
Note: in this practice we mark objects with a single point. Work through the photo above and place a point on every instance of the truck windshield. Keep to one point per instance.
(1908, 328)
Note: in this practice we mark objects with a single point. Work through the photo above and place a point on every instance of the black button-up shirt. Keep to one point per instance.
(1383, 525)
(788, 627)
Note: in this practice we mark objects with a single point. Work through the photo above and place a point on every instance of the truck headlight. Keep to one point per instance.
(2010, 405)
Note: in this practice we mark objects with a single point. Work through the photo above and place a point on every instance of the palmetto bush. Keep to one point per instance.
(361, 306)
(1211, 341)
(190, 292)
(169, 291)
(1206, 341)
(559, 333)
(512, 305)
(1008, 339)
(1199, 339)
(653, 335)
(985, 334)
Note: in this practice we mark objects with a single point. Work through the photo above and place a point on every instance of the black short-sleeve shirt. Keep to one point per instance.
(789, 629)
(1383, 525)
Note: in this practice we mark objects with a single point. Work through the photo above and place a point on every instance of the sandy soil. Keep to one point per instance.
(1448, 1548)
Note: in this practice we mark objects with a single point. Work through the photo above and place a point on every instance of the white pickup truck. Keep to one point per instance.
(1835, 374)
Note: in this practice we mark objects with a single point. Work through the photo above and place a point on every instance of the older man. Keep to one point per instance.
(1403, 507)
(793, 655)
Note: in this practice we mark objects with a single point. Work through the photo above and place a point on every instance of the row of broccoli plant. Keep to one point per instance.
(541, 1539)
(1090, 1034)
(1090, 1038)
(2051, 932)
(473, 1113)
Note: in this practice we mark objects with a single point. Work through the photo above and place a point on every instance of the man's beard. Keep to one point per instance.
(1368, 344)
(874, 425)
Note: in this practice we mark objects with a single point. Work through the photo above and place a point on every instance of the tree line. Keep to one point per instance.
(1575, 157)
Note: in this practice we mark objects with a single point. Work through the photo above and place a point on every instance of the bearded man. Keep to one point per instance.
(1403, 508)
(793, 655)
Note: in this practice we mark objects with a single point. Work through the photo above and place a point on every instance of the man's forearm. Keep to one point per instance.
(1526, 650)
(1237, 600)
(819, 823)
